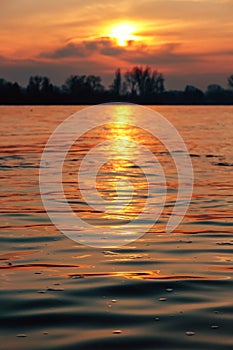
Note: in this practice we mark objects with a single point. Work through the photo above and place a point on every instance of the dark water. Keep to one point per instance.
(159, 292)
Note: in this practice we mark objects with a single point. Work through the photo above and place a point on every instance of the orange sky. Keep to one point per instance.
(190, 41)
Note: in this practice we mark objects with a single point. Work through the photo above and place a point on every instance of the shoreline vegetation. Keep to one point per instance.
(141, 85)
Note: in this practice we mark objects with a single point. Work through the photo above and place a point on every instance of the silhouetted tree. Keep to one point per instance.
(94, 84)
(215, 94)
(115, 88)
(37, 84)
(230, 81)
(9, 92)
(4, 87)
(193, 95)
(214, 88)
(40, 89)
(83, 87)
(74, 84)
(140, 85)
(143, 82)
(173, 97)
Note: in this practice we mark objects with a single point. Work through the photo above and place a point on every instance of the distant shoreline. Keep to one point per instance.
(140, 85)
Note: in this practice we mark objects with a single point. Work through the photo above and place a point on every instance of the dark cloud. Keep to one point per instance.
(105, 46)
(167, 54)
(2, 59)
(69, 50)
(57, 70)
(91, 57)
(134, 52)
(220, 53)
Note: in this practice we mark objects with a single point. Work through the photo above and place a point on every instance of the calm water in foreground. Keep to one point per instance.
(159, 292)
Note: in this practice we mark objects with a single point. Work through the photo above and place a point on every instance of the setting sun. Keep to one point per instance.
(123, 33)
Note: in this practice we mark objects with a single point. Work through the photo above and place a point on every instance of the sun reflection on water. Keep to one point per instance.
(120, 182)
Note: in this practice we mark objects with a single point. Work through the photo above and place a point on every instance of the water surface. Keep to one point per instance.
(58, 294)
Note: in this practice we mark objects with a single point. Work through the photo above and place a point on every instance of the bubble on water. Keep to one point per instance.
(214, 327)
(109, 252)
(41, 291)
(55, 289)
(22, 335)
(75, 277)
(189, 333)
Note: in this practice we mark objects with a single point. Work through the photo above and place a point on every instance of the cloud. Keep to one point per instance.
(104, 46)
(3, 59)
(167, 54)
(134, 52)
(69, 50)
(57, 70)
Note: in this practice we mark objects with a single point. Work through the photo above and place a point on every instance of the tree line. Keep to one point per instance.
(138, 85)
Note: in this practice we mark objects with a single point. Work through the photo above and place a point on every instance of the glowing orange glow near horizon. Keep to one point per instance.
(60, 38)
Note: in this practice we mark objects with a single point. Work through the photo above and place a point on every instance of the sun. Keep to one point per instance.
(123, 33)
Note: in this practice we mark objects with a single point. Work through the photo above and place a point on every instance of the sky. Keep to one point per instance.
(189, 41)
